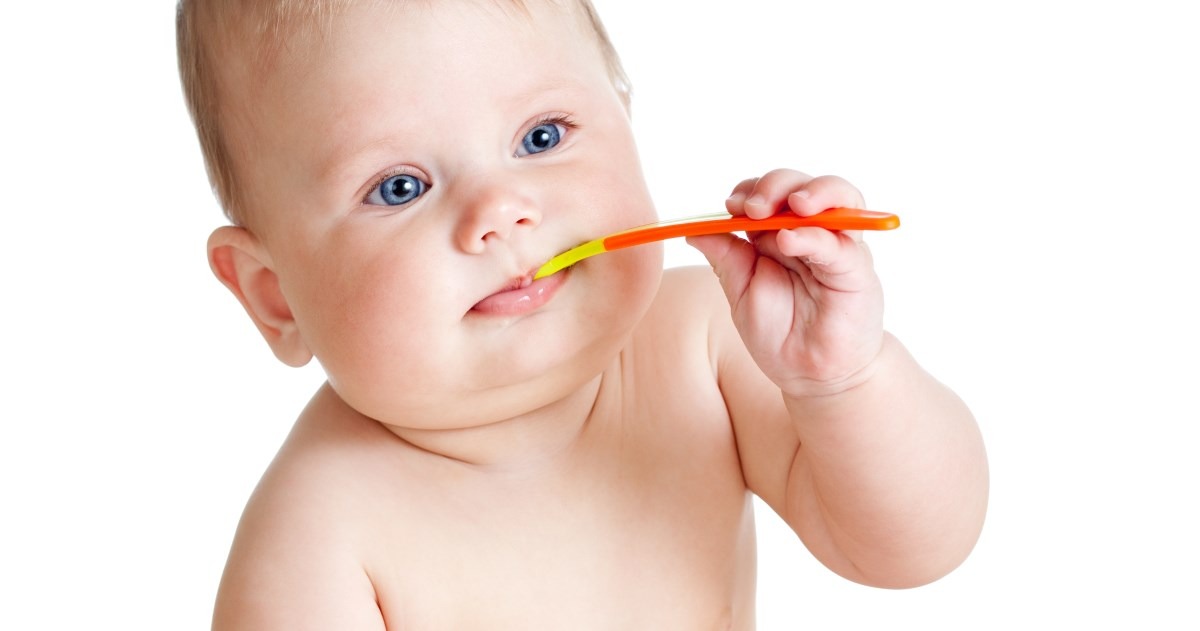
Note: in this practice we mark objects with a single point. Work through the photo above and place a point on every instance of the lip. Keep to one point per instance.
(521, 296)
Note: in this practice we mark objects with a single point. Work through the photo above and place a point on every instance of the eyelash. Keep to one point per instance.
(383, 177)
(554, 119)
(548, 119)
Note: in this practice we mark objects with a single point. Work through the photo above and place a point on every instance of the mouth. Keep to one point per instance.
(518, 283)
(520, 295)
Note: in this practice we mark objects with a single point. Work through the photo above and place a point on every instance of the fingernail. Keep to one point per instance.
(802, 194)
(757, 200)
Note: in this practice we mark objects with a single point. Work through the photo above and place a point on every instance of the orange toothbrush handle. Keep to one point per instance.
(832, 219)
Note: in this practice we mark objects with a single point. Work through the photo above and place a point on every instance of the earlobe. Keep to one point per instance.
(241, 264)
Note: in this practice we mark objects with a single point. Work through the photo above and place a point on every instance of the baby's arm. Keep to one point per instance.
(877, 467)
(289, 570)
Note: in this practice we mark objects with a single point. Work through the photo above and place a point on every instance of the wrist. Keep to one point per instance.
(844, 381)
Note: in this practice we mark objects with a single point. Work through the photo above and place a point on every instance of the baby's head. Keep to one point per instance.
(397, 169)
(243, 38)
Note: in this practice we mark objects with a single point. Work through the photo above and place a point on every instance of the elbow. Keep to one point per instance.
(918, 565)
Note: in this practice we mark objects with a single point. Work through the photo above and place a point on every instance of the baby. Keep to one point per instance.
(573, 452)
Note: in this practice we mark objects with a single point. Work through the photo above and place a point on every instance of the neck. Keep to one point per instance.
(528, 440)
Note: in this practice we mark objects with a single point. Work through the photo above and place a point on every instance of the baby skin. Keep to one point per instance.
(575, 452)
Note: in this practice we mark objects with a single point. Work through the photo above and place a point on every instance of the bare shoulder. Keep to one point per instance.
(691, 303)
(298, 559)
(692, 285)
(766, 440)
(689, 297)
(676, 351)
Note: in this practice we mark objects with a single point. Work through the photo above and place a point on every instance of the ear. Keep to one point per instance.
(242, 264)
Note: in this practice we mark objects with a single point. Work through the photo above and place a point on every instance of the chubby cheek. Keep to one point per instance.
(617, 287)
(371, 323)
(620, 284)
(617, 189)
(632, 278)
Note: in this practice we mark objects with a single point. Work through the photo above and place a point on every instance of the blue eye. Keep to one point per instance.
(540, 138)
(397, 190)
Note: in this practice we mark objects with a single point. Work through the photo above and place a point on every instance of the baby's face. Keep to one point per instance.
(409, 168)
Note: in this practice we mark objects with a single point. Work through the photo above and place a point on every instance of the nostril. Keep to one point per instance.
(493, 219)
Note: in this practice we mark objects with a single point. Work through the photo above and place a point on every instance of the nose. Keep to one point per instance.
(492, 213)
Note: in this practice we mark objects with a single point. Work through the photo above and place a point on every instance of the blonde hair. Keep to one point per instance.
(206, 28)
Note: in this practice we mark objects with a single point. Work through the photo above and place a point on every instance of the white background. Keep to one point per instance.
(1043, 157)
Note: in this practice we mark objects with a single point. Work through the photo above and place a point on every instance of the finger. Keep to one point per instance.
(822, 193)
(770, 193)
(731, 258)
(834, 258)
(738, 197)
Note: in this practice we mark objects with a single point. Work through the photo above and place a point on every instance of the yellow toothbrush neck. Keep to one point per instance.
(570, 257)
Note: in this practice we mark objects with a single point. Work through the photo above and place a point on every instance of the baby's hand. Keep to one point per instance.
(806, 301)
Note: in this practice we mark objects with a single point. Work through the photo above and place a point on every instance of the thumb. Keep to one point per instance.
(732, 258)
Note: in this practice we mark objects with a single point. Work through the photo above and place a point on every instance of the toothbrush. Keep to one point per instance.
(832, 219)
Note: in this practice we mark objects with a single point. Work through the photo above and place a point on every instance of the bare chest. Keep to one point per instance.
(647, 531)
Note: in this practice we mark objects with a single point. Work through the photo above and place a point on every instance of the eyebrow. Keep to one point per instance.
(344, 160)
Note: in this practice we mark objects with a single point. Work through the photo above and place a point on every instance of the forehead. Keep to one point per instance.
(439, 42)
(405, 38)
(393, 65)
